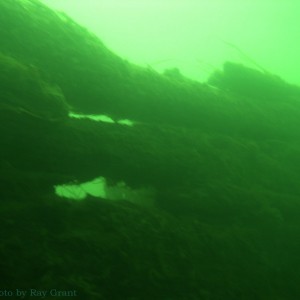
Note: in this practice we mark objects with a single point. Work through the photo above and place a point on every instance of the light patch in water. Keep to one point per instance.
(76, 191)
(99, 188)
(126, 122)
(101, 118)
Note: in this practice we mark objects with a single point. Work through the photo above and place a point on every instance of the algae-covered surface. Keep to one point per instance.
(220, 161)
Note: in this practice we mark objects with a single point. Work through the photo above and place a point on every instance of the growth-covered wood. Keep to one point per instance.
(222, 160)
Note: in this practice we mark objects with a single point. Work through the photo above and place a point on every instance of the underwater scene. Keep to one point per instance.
(130, 180)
